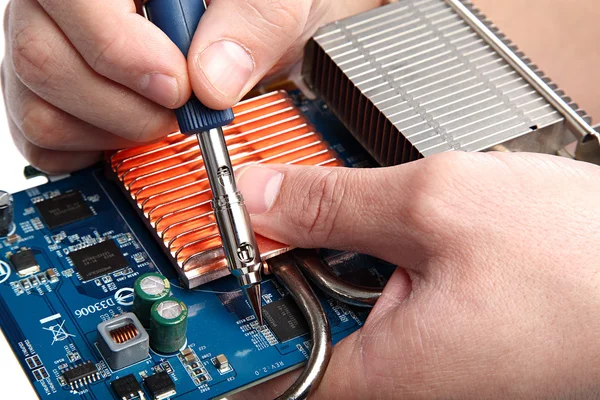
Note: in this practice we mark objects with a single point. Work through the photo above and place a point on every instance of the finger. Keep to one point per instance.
(237, 42)
(51, 161)
(48, 127)
(123, 46)
(48, 65)
(375, 211)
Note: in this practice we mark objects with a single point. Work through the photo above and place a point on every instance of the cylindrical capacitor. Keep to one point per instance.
(148, 289)
(6, 213)
(168, 325)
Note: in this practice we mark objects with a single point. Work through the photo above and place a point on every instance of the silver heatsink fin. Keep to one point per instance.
(414, 78)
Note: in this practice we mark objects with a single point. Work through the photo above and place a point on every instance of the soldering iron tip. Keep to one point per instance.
(255, 297)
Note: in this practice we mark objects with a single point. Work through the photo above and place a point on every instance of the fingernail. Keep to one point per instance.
(160, 88)
(259, 186)
(228, 67)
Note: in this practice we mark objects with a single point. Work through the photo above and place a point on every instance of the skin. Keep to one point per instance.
(498, 284)
(80, 77)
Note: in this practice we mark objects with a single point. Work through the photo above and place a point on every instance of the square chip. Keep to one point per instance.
(285, 319)
(127, 388)
(99, 259)
(64, 209)
(160, 386)
(24, 262)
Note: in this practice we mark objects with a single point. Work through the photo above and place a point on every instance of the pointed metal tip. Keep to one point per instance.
(255, 297)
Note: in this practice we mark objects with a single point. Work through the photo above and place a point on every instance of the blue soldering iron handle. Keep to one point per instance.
(179, 20)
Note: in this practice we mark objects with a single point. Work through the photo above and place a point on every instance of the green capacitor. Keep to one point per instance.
(168, 325)
(147, 290)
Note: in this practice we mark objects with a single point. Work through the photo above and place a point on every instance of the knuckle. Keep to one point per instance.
(435, 198)
(29, 55)
(38, 124)
(318, 210)
(105, 53)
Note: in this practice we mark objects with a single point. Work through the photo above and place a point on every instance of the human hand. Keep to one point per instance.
(81, 76)
(499, 286)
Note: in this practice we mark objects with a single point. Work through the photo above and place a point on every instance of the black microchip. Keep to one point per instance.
(80, 373)
(99, 259)
(285, 319)
(64, 209)
(126, 387)
(24, 262)
(160, 386)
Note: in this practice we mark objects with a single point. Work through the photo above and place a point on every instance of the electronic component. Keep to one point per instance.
(222, 363)
(40, 374)
(169, 186)
(81, 375)
(148, 289)
(168, 324)
(412, 84)
(52, 277)
(122, 341)
(166, 367)
(188, 355)
(24, 262)
(127, 388)
(285, 319)
(160, 386)
(99, 259)
(63, 209)
(6, 213)
(33, 361)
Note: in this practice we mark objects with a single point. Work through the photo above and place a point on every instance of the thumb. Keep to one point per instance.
(238, 42)
(364, 210)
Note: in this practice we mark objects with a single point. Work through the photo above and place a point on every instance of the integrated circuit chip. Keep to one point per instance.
(160, 386)
(99, 259)
(127, 388)
(64, 209)
(24, 262)
(285, 319)
(81, 375)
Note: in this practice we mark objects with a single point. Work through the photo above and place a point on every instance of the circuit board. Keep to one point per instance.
(55, 291)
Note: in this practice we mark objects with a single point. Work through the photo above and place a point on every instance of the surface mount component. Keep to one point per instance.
(63, 209)
(81, 375)
(6, 213)
(24, 262)
(160, 386)
(127, 388)
(147, 290)
(99, 259)
(222, 363)
(420, 77)
(122, 341)
(169, 186)
(285, 319)
(168, 325)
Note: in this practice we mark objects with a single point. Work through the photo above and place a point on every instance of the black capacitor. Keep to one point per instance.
(6, 213)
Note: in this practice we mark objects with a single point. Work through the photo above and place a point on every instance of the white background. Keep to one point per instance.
(13, 382)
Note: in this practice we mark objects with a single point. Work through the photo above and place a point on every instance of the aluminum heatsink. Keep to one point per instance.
(420, 77)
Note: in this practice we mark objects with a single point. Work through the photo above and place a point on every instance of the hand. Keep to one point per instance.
(81, 76)
(499, 287)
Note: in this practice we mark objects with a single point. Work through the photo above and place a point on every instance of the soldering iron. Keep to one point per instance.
(178, 19)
